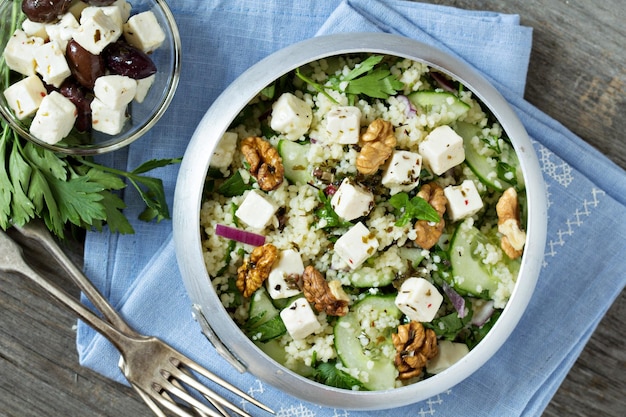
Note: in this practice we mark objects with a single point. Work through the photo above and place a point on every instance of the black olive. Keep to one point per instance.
(124, 59)
(85, 66)
(45, 11)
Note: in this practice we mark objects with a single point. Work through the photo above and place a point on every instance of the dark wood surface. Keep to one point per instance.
(577, 76)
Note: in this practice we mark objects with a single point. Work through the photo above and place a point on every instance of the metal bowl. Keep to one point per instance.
(142, 116)
(226, 336)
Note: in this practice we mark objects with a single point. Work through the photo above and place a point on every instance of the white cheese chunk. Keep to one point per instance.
(256, 210)
(344, 124)
(300, 319)
(124, 7)
(281, 282)
(143, 87)
(449, 354)
(37, 29)
(25, 96)
(96, 32)
(106, 119)
(224, 151)
(356, 245)
(402, 171)
(144, 32)
(19, 53)
(419, 299)
(463, 200)
(63, 30)
(291, 116)
(351, 200)
(54, 118)
(442, 149)
(51, 63)
(114, 12)
(115, 91)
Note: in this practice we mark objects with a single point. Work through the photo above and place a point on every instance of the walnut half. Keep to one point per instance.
(429, 233)
(414, 347)
(513, 237)
(377, 144)
(328, 297)
(266, 165)
(256, 269)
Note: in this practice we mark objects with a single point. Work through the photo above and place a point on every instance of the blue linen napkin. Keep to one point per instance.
(584, 268)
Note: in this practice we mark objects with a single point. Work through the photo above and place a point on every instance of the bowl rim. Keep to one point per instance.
(114, 144)
(225, 334)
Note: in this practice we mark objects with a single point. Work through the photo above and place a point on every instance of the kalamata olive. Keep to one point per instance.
(45, 11)
(82, 98)
(124, 59)
(85, 66)
(100, 2)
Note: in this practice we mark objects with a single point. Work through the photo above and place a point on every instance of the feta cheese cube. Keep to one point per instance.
(351, 200)
(114, 12)
(54, 118)
(96, 32)
(36, 29)
(300, 319)
(124, 7)
(463, 200)
(19, 53)
(356, 245)
(63, 30)
(280, 283)
(344, 124)
(449, 354)
(51, 63)
(402, 171)
(291, 116)
(224, 151)
(144, 32)
(25, 96)
(143, 86)
(442, 149)
(115, 91)
(257, 210)
(106, 119)
(419, 299)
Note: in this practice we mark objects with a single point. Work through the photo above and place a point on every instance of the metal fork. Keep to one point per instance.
(159, 373)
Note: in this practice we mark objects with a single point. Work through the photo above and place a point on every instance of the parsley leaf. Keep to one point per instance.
(365, 79)
(328, 374)
(414, 208)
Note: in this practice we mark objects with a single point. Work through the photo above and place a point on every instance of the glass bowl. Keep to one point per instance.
(140, 116)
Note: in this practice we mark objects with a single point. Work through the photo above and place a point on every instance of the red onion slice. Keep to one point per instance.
(444, 82)
(457, 301)
(239, 235)
(409, 110)
(483, 309)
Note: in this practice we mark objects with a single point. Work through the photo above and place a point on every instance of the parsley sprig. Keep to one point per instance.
(71, 190)
(370, 78)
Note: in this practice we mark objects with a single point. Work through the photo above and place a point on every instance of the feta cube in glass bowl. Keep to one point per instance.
(86, 78)
(414, 249)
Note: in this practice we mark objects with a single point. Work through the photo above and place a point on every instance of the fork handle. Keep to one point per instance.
(37, 230)
(119, 339)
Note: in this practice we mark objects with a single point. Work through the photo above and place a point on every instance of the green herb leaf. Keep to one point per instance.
(327, 373)
(414, 208)
(327, 213)
(378, 83)
(234, 186)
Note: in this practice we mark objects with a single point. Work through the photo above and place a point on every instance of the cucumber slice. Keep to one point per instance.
(276, 351)
(367, 277)
(476, 277)
(486, 167)
(436, 99)
(295, 161)
(365, 353)
(412, 255)
(264, 322)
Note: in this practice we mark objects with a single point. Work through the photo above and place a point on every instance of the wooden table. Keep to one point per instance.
(577, 76)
